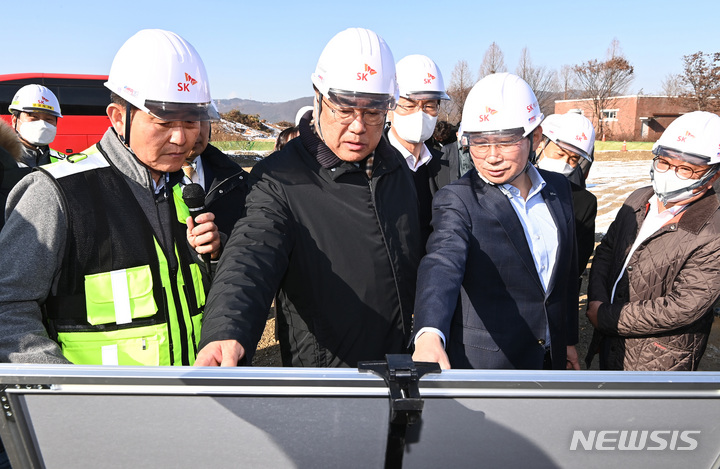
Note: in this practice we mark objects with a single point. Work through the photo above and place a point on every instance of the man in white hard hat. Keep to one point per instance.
(497, 287)
(567, 148)
(655, 274)
(413, 122)
(99, 266)
(328, 227)
(35, 111)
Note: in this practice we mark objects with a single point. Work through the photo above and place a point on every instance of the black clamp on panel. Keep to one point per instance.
(401, 375)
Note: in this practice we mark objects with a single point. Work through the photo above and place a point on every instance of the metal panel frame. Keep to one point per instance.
(20, 381)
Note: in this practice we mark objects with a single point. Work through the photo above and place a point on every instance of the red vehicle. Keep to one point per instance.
(83, 100)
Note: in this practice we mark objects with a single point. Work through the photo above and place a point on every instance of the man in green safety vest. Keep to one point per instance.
(101, 262)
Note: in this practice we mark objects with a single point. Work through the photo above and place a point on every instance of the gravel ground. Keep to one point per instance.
(613, 177)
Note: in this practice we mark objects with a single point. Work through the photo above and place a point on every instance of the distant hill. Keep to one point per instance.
(271, 112)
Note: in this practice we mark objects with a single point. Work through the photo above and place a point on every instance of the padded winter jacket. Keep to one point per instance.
(341, 250)
(662, 312)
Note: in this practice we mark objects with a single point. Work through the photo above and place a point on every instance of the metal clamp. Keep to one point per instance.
(401, 375)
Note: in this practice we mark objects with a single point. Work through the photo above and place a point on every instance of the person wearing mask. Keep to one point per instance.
(567, 148)
(35, 111)
(100, 256)
(328, 226)
(225, 183)
(497, 287)
(421, 89)
(655, 275)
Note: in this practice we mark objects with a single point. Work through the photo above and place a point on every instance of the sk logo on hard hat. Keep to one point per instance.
(190, 79)
(489, 112)
(429, 79)
(530, 107)
(363, 76)
(186, 86)
(682, 138)
(581, 137)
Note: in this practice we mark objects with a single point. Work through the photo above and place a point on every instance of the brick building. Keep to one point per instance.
(632, 118)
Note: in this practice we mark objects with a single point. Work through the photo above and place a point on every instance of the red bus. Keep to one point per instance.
(83, 100)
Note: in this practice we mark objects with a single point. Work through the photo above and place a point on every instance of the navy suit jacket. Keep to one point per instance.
(478, 283)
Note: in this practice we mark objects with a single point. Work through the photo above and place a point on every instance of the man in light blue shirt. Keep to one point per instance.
(497, 288)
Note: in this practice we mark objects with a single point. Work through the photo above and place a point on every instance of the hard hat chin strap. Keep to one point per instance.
(126, 138)
(531, 157)
(317, 120)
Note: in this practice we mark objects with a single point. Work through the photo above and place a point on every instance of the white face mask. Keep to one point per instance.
(414, 128)
(37, 132)
(556, 166)
(670, 188)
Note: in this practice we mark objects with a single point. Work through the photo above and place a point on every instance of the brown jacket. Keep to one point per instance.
(662, 312)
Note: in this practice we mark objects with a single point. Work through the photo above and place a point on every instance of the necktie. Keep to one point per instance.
(189, 171)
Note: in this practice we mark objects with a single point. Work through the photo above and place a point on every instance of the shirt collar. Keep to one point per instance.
(425, 154)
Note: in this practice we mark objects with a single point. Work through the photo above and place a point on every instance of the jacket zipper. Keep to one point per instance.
(387, 251)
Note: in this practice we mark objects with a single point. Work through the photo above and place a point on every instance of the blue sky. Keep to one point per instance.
(266, 50)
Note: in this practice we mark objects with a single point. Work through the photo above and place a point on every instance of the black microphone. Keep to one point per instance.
(194, 197)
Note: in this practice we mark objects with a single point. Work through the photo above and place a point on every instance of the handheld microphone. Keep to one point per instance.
(194, 197)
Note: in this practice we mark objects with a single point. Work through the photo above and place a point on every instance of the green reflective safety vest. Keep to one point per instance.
(118, 301)
(56, 156)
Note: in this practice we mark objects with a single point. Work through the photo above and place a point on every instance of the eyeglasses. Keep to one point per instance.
(430, 108)
(347, 115)
(480, 144)
(683, 172)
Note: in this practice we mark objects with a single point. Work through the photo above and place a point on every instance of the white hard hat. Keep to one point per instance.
(501, 102)
(693, 137)
(162, 74)
(357, 64)
(571, 131)
(419, 77)
(301, 112)
(35, 98)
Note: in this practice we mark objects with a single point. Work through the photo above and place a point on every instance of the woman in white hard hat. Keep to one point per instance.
(35, 112)
(567, 148)
(655, 274)
(497, 288)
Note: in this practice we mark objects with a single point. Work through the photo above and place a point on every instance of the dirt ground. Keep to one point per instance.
(610, 198)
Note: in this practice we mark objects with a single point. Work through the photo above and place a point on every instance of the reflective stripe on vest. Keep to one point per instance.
(56, 156)
(123, 324)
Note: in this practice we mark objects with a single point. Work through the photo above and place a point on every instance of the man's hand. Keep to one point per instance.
(204, 236)
(572, 362)
(592, 312)
(429, 348)
(220, 353)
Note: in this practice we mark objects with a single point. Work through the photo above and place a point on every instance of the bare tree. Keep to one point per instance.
(672, 85)
(602, 81)
(461, 82)
(542, 81)
(493, 62)
(701, 77)
(568, 83)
